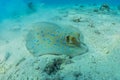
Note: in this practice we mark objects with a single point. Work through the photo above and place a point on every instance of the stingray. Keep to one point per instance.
(50, 38)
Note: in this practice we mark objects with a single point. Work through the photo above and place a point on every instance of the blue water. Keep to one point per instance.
(9, 8)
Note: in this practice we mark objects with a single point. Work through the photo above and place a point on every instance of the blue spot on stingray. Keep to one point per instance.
(57, 40)
(41, 31)
(43, 35)
(52, 35)
(35, 40)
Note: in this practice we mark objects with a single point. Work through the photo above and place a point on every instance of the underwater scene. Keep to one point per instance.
(59, 39)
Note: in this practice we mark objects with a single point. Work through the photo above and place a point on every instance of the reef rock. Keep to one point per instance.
(105, 7)
(49, 38)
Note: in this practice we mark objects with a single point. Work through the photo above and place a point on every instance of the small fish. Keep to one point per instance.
(50, 38)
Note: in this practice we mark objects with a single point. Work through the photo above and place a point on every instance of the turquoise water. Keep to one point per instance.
(12, 7)
(59, 39)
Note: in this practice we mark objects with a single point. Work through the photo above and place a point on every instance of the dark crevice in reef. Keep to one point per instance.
(105, 7)
(31, 6)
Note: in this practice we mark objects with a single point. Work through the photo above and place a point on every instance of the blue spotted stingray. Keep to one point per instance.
(50, 38)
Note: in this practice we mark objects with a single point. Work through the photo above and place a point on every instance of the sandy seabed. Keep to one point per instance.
(101, 31)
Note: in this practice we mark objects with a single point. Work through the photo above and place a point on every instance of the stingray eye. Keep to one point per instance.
(67, 39)
(73, 39)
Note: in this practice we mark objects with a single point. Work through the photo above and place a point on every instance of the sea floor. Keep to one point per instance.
(101, 31)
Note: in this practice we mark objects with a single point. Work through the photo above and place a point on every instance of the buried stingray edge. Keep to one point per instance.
(82, 50)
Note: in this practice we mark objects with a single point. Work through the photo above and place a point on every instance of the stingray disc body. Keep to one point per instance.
(49, 38)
